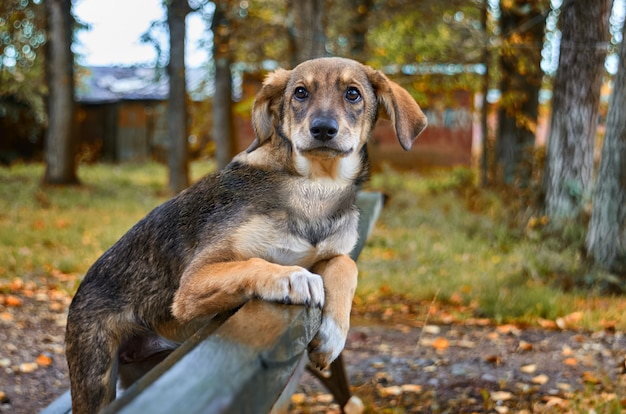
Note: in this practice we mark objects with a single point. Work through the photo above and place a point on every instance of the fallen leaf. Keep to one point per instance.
(501, 409)
(509, 329)
(464, 343)
(393, 391)
(493, 336)
(493, 359)
(440, 344)
(570, 321)
(525, 346)
(12, 301)
(529, 369)
(478, 322)
(324, 398)
(570, 361)
(354, 406)
(540, 379)
(6, 316)
(431, 329)
(456, 299)
(564, 386)
(298, 398)
(28, 367)
(546, 323)
(43, 360)
(411, 388)
(501, 395)
(555, 402)
(16, 284)
(567, 351)
(590, 377)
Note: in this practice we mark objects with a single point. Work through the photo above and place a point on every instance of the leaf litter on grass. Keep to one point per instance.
(495, 309)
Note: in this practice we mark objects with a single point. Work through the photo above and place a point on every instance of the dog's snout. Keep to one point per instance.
(324, 128)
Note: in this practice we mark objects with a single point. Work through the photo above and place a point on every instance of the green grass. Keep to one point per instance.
(46, 230)
(438, 237)
(441, 237)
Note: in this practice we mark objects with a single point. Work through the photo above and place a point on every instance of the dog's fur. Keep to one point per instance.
(277, 223)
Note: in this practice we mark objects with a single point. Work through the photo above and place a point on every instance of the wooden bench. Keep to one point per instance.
(242, 363)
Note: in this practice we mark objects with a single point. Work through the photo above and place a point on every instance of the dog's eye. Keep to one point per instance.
(300, 93)
(353, 94)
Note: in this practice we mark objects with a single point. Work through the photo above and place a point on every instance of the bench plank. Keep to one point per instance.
(240, 368)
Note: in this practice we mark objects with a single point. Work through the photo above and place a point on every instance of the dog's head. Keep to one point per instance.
(326, 109)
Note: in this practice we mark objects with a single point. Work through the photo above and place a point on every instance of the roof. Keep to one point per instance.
(106, 84)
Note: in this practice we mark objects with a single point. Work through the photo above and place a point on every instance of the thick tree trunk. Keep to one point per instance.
(520, 62)
(177, 105)
(60, 139)
(576, 97)
(223, 132)
(606, 238)
(307, 35)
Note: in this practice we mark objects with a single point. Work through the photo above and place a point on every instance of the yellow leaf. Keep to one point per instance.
(298, 398)
(540, 379)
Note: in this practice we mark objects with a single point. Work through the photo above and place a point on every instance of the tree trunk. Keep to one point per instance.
(576, 97)
(223, 132)
(359, 28)
(520, 62)
(606, 238)
(177, 104)
(60, 139)
(307, 34)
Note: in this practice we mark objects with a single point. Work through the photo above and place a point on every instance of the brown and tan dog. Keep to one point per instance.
(277, 223)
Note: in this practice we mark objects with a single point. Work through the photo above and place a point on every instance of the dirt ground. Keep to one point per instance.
(393, 367)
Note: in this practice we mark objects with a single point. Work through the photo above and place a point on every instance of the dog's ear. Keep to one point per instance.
(406, 116)
(266, 107)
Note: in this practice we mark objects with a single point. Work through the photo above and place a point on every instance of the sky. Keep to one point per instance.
(116, 29)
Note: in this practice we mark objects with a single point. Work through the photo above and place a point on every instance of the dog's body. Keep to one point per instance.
(277, 223)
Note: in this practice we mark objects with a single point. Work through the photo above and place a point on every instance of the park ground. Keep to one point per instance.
(466, 302)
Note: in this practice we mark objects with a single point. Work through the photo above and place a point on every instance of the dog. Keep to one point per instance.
(277, 223)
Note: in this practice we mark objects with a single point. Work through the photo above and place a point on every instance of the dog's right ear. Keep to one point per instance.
(266, 107)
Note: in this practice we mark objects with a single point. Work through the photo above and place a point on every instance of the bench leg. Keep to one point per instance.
(335, 381)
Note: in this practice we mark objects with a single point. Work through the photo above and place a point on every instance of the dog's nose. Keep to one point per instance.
(324, 128)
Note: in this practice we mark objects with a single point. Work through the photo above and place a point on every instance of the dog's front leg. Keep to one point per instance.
(340, 280)
(217, 287)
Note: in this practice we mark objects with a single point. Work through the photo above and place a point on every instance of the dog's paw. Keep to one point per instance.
(327, 344)
(297, 287)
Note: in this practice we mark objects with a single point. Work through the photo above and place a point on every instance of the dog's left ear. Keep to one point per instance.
(406, 116)
(266, 107)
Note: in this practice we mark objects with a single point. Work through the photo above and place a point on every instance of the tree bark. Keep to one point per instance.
(576, 96)
(223, 132)
(60, 152)
(359, 28)
(177, 104)
(521, 81)
(606, 237)
(307, 34)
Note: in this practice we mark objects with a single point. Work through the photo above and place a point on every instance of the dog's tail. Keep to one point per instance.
(92, 339)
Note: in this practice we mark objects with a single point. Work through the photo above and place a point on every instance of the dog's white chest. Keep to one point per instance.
(270, 239)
